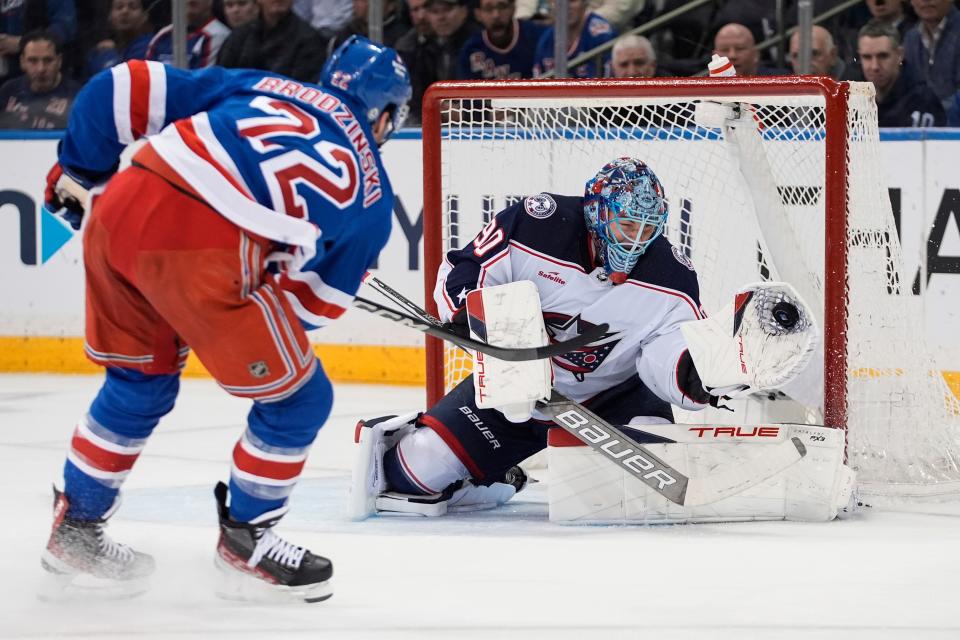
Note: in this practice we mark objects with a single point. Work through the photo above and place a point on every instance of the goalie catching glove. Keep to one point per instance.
(759, 342)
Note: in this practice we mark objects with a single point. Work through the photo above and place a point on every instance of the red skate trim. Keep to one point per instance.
(241, 565)
(60, 507)
(455, 445)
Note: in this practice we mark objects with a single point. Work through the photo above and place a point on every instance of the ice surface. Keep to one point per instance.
(505, 573)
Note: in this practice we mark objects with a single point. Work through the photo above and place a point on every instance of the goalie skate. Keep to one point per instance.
(257, 565)
(81, 561)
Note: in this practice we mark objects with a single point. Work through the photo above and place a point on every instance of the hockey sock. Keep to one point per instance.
(109, 439)
(268, 458)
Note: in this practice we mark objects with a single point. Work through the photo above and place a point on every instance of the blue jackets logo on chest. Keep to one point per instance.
(584, 360)
(540, 206)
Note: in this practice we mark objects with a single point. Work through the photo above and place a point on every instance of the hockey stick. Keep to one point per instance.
(512, 355)
(387, 291)
(636, 459)
(640, 463)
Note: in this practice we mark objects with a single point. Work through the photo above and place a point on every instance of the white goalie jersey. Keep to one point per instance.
(544, 239)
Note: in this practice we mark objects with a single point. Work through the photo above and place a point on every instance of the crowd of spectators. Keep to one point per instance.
(909, 49)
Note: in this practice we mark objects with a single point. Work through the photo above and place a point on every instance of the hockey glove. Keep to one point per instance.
(688, 379)
(64, 197)
(458, 323)
(759, 342)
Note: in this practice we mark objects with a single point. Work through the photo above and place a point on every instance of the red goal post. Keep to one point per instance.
(800, 198)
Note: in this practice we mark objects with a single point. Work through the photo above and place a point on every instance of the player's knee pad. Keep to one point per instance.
(131, 403)
(295, 420)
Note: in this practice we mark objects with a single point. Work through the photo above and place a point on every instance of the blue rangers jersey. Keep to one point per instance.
(544, 239)
(481, 60)
(595, 32)
(287, 161)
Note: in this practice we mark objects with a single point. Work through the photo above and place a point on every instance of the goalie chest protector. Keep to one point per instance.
(544, 239)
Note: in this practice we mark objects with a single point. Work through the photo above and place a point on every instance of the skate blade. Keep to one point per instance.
(238, 586)
(60, 586)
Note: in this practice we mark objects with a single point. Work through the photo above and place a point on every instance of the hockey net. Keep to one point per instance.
(798, 197)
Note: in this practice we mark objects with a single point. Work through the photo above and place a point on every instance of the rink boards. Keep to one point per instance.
(41, 318)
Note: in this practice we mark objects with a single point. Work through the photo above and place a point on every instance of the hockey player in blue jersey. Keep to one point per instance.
(250, 215)
(601, 257)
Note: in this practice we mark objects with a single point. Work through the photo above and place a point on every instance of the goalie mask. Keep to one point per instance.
(626, 210)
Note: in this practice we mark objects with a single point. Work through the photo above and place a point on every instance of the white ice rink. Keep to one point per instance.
(501, 574)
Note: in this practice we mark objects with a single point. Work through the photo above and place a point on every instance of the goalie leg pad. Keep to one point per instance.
(374, 438)
(586, 488)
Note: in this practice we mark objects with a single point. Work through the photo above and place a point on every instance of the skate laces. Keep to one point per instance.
(113, 550)
(272, 546)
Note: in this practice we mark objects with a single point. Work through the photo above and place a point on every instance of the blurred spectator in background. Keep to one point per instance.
(128, 37)
(277, 40)
(205, 36)
(903, 99)
(585, 31)
(436, 57)
(18, 17)
(892, 12)
(452, 26)
(932, 47)
(736, 42)
(239, 12)
(633, 57)
(824, 60)
(419, 29)
(41, 98)
(413, 49)
(620, 13)
(393, 24)
(506, 46)
(326, 16)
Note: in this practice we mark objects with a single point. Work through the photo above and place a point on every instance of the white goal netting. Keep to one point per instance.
(761, 201)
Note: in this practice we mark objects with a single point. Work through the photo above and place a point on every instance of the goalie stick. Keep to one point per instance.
(510, 354)
(633, 457)
(640, 463)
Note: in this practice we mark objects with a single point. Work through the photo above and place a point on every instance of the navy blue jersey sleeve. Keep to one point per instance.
(469, 267)
(545, 224)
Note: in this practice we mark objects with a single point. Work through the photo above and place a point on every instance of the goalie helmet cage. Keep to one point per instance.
(794, 192)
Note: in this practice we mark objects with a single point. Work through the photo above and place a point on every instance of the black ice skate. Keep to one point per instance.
(81, 560)
(257, 564)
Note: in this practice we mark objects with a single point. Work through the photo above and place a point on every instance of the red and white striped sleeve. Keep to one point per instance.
(139, 99)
